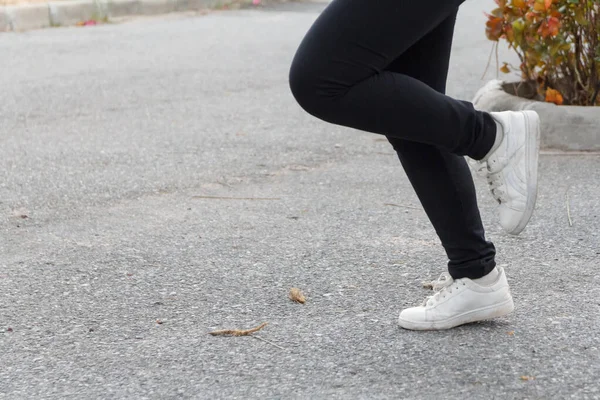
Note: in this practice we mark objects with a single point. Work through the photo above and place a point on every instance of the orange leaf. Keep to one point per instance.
(520, 4)
(493, 27)
(548, 4)
(554, 96)
(539, 5)
(553, 25)
(505, 68)
(510, 33)
(543, 30)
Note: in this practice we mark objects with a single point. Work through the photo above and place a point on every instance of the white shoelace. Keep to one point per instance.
(442, 286)
(494, 180)
(480, 168)
(497, 187)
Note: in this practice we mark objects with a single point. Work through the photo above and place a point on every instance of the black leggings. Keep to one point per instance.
(381, 66)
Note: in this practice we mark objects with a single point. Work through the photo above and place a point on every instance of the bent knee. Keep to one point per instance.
(310, 92)
(303, 87)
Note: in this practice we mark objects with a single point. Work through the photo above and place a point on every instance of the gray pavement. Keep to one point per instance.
(108, 135)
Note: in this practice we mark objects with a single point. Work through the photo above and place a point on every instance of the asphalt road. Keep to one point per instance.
(114, 265)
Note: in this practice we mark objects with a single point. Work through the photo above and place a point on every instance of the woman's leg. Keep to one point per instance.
(339, 75)
(443, 180)
(357, 68)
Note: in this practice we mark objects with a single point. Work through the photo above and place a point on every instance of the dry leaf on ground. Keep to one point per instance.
(297, 296)
(527, 378)
(238, 332)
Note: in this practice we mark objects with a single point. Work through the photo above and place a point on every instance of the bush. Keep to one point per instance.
(558, 43)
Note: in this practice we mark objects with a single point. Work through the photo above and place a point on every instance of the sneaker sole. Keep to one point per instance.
(482, 314)
(532, 151)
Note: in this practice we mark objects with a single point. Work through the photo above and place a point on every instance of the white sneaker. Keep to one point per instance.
(458, 302)
(511, 170)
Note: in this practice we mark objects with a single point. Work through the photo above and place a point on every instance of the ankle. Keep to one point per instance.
(497, 141)
(488, 279)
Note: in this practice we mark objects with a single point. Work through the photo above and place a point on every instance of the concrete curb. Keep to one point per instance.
(563, 127)
(70, 13)
(65, 13)
(27, 16)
